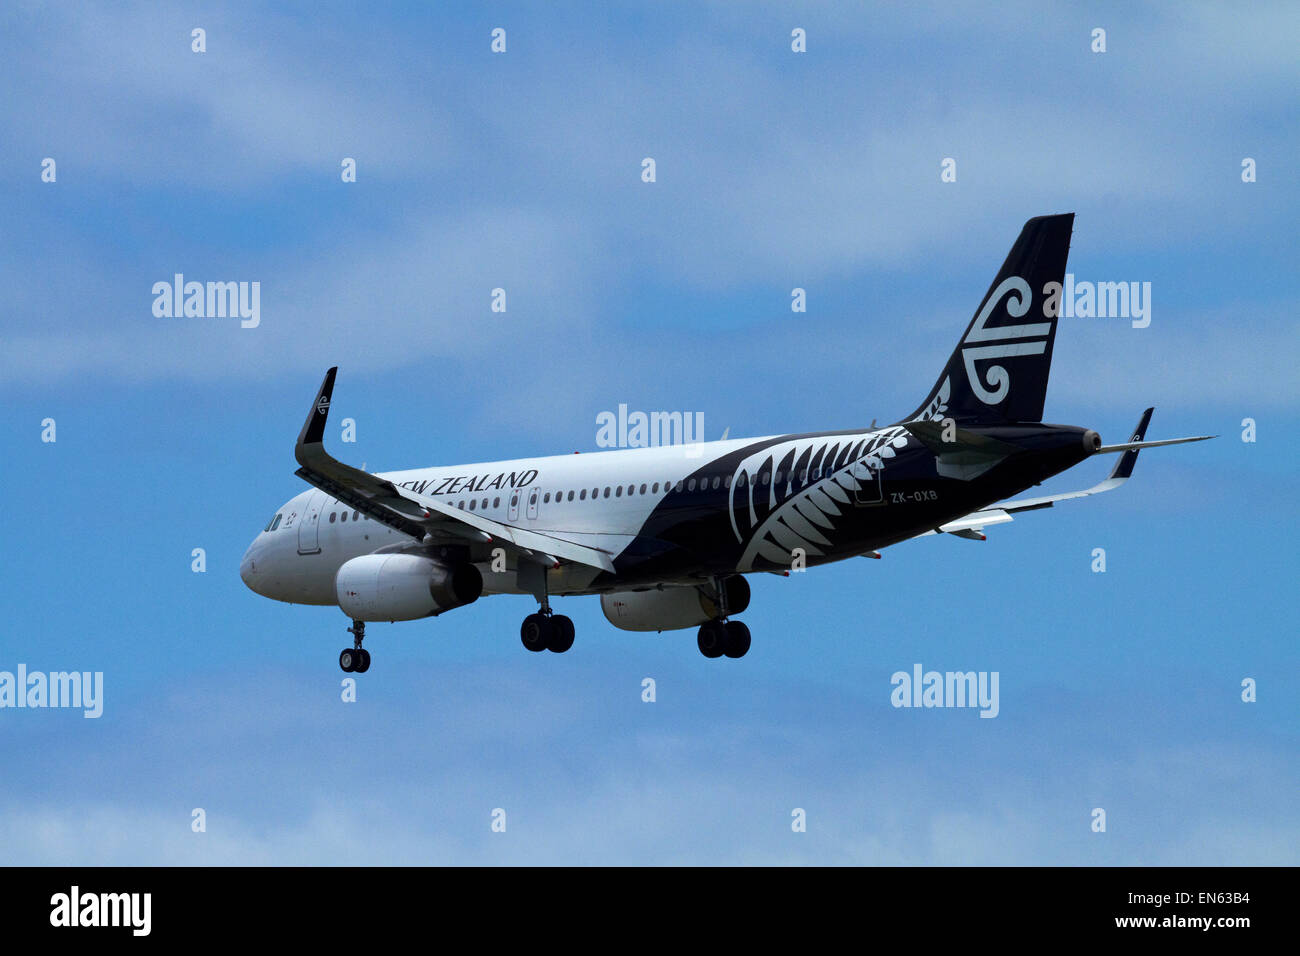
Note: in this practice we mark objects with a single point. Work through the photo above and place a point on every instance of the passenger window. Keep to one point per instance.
(717, 482)
(333, 515)
(460, 505)
(618, 492)
(472, 504)
(570, 495)
(607, 491)
(643, 489)
(496, 502)
(655, 488)
(690, 485)
(582, 495)
(483, 506)
(726, 482)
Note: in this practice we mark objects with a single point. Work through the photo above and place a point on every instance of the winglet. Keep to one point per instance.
(1124, 467)
(313, 430)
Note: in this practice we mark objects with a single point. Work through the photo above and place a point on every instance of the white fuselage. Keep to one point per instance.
(600, 499)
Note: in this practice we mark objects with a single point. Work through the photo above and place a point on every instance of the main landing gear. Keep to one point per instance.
(723, 637)
(545, 631)
(720, 636)
(355, 659)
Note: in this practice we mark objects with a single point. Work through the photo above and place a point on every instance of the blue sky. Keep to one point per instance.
(774, 170)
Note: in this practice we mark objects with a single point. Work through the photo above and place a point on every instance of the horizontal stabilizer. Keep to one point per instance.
(971, 525)
(966, 456)
(1135, 445)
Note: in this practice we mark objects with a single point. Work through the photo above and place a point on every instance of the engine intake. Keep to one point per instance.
(404, 587)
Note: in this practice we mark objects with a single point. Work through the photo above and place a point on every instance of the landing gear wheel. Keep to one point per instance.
(363, 661)
(562, 634)
(736, 642)
(348, 658)
(536, 632)
(712, 639)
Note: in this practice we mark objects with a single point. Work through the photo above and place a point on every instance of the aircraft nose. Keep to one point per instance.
(248, 566)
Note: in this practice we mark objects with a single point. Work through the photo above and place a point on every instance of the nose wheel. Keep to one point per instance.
(355, 659)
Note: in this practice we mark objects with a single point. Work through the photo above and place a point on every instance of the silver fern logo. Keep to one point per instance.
(1019, 298)
(790, 495)
(938, 407)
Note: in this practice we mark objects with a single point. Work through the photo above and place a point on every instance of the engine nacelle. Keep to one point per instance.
(404, 587)
(671, 608)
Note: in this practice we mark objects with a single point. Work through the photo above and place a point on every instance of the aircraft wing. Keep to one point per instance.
(420, 516)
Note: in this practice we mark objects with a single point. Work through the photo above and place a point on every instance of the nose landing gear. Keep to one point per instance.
(355, 659)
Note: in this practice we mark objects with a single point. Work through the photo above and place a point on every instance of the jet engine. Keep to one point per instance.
(671, 608)
(403, 587)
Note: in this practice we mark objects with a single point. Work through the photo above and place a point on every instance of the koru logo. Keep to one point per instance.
(1019, 298)
(323, 405)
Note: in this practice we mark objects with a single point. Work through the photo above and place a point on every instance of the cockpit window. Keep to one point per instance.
(273, 523)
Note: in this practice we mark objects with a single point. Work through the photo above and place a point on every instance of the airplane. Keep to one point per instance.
(665, 535)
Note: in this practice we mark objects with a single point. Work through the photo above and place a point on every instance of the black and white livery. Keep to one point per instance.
(665, 535)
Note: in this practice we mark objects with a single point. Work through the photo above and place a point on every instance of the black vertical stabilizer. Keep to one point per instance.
(998, 373)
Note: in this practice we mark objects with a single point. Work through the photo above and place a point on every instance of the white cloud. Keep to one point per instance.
(586, 776)
(804, 174)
